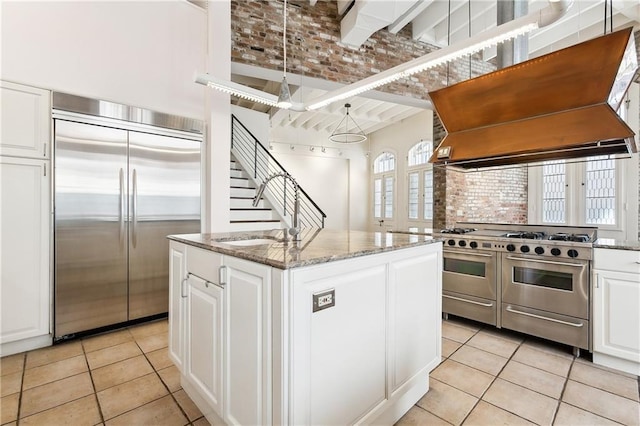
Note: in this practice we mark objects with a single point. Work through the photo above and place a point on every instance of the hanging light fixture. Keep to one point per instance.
(284, 99)
(348, 130)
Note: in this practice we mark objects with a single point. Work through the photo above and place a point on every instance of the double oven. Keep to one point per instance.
(534, 281)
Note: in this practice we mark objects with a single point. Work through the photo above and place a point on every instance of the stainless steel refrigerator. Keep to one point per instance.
(124, 179)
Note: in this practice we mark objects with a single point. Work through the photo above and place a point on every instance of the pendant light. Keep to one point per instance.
(348, 130)
(284, 99)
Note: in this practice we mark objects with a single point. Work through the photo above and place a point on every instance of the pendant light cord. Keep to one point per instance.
(284, 39)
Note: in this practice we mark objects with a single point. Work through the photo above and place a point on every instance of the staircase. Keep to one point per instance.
(245, 217)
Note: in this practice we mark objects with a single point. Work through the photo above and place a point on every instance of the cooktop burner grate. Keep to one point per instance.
(457, 230)
(526, 235)
(576, 238)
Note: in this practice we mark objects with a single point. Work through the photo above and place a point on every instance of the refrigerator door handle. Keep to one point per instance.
(122, 204)
(134, 219)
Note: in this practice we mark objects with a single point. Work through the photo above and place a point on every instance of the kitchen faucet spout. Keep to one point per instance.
(294, 231)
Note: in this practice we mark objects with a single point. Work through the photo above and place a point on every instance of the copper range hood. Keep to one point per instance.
(558, 106)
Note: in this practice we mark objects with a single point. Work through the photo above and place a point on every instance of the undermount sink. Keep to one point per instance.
(250, 242)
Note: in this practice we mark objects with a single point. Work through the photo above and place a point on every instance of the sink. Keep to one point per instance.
(250, 242)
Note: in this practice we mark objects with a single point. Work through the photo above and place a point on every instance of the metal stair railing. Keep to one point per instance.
(259, 163)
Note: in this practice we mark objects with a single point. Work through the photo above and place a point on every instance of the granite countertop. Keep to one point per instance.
(611, 243)
(317, 245)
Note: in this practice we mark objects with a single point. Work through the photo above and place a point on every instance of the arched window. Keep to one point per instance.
(383, 183)
(420, 153)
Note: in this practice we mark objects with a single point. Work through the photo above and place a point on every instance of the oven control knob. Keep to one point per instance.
(511, 247)
(555, 251)
(473, 244)
(539, 250)
(462, 243)
(573, 253)
(524, 249)
(451, 242)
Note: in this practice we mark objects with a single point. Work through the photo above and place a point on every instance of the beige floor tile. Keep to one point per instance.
(511, 336)
(523, 402)
(546, 361)
(604, 404)
(83, 411)
(10, 383)
(462, 377)
(485, 414)
(11, 364)
(416, 416)
(456, 332)
(602, 367)
(116, 353)
(479, 359)
(53, 353)
(150, 328)
(533, 378)
(189, 407)
(56, 393)
(202, 421)
(449, 347)
(159, 359)
(153, 342)
(611, 382)
(447, 402)
(171, 378)
(568, 415)
(553, 348)
(133, 394)
(106, 340)
(493, 344)
(120, 372)
(163, 411)
(54, 371)
(464, 323)
(9, 408)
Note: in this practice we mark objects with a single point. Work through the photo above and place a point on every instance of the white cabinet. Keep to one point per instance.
(178, 303)
(205, 325)
(26, 121)
(24, 254)
(616, 309)
(248, 342)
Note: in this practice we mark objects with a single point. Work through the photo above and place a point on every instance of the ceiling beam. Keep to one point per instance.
(415, 10)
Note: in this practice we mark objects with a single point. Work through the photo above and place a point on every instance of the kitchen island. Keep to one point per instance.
(340, 327)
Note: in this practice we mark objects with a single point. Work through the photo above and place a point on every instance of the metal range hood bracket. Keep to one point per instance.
(558, 106)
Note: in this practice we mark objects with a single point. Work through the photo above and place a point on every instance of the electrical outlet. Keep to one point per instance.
(324, 300)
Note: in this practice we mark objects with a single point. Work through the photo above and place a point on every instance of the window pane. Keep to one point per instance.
(377, 198)
(600, 182)
(388, 197)
(413, 195)
(385, 162)
(420, 153)
(428, 195)
(553, 191)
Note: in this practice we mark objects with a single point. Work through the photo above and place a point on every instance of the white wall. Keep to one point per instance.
(398, 139)
(140, 53)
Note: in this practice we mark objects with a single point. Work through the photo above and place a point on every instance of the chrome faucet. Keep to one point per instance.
(294, 231)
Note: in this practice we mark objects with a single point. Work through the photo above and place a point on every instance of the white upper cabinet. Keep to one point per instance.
(26, 121)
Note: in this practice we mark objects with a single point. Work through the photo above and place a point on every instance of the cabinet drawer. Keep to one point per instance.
(617, 260)
(204, 263)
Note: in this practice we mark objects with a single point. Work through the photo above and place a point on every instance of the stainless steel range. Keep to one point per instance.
(529, 278)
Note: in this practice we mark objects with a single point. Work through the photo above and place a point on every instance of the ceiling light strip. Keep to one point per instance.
(236, 89)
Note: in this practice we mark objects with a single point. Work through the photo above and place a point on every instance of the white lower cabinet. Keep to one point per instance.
(25, 254)
(178, 303)
(616, 309)
(350, 341)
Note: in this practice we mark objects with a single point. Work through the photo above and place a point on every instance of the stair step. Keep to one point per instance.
(245, 202)
(241, 183)
(256, 221)
(238, 174)
(254, 226)
(251, 214)
(242, 192)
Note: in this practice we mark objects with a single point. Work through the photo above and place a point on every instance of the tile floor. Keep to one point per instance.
(495, 377)
(119, 378)
(487, 377)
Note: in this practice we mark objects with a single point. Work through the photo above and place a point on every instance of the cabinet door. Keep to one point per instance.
(248, 343)
(26, 121)
(204, 341)
(616, 314)
(24, 252)
(177, 303)
(415, 318)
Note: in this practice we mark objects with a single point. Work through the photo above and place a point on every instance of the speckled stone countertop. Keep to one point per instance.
(611, 243)
(316, 246)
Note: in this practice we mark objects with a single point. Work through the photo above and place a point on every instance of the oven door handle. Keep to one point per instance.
(548, 262)
(572, 324)
(488, 305)
(469, 254)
